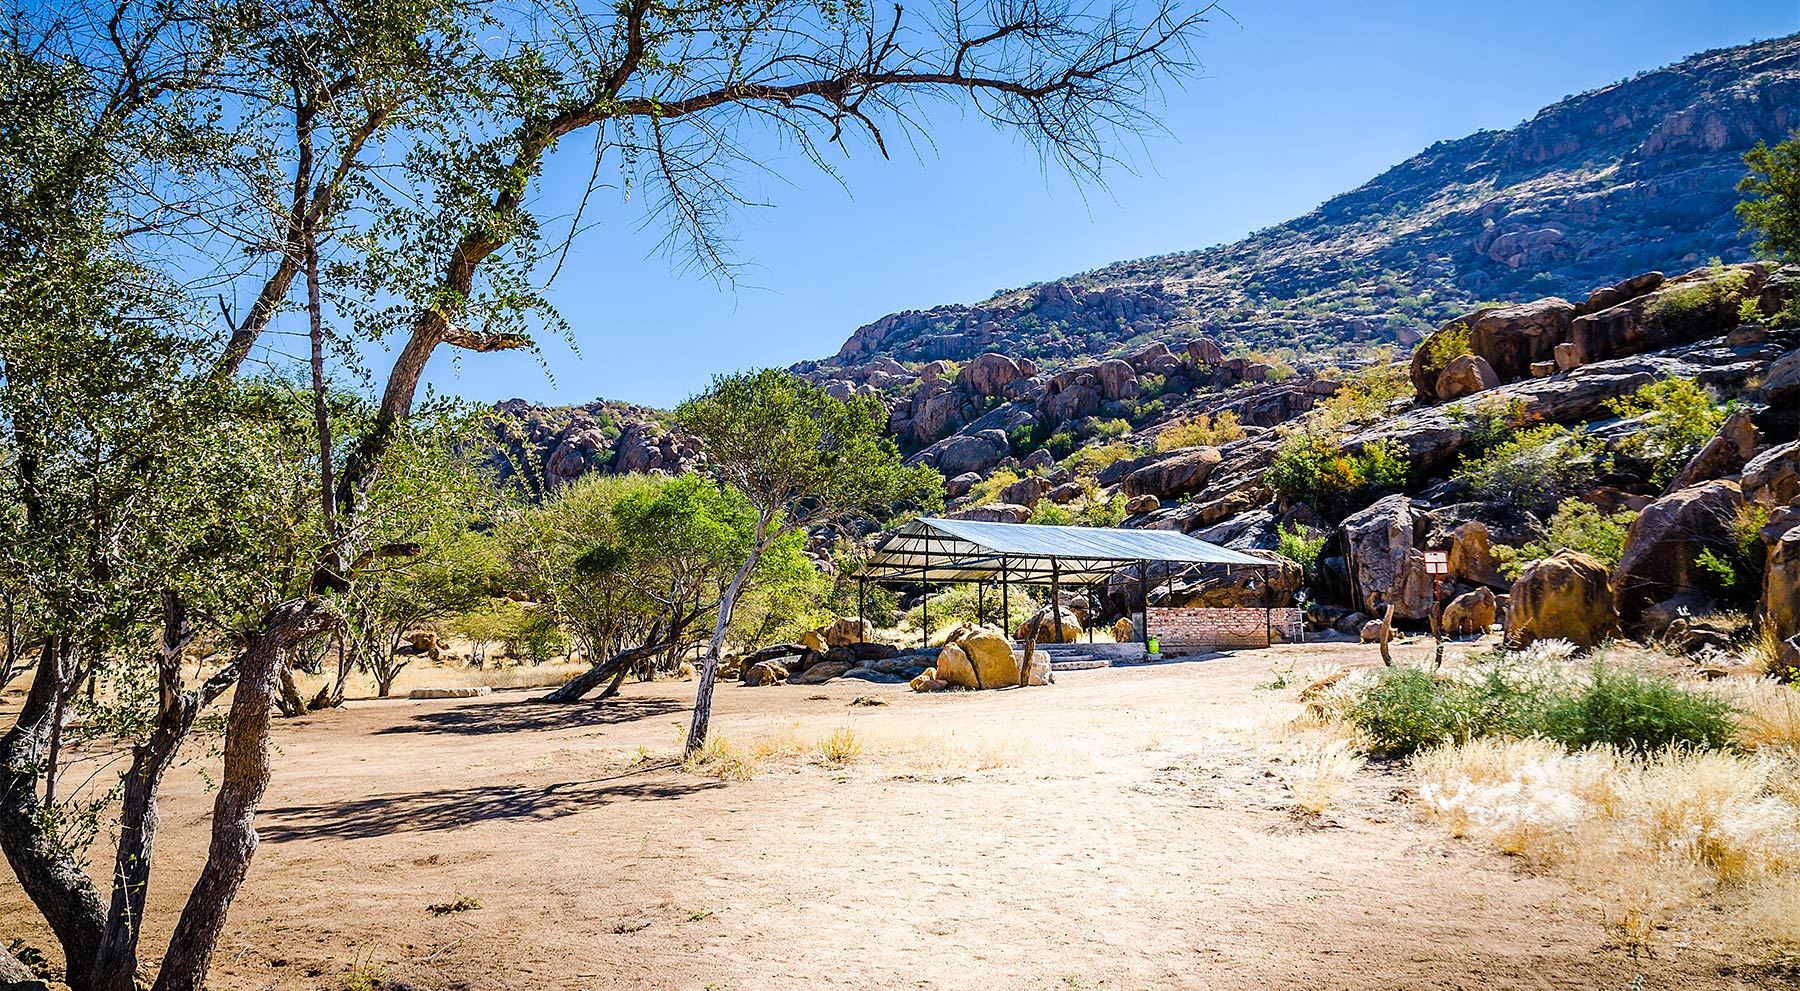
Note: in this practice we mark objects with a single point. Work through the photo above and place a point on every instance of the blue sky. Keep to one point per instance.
(1299, 100)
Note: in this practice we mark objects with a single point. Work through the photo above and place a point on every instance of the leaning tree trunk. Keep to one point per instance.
(286, 627)
(709, 668)
(51, 878)
(612, 668)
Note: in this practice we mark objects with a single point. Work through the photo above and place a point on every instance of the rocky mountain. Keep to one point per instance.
(542, 447)
(1635, 176)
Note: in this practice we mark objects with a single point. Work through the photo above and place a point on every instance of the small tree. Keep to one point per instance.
(802, 459)
(1772, 208)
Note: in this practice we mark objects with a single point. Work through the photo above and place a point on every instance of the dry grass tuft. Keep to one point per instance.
(841, 747)
(1768, 711)
(719, 758)
(1318, 776)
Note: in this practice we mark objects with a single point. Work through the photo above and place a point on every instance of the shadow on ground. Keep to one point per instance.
(427, 811)
(525, 715)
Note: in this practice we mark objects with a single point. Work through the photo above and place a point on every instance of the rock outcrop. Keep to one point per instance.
(1665, 541)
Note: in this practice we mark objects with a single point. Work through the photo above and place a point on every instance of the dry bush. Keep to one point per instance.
(1317, 776)
(840, 748)
(1761, 653)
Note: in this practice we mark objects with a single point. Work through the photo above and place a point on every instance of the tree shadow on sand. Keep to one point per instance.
(527, 715)
(450, 808)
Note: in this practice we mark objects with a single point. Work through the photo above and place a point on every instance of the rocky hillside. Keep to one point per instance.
(541, 447)
(1635, 176)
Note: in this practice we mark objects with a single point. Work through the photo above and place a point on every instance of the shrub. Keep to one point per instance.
(1679, 417)
(1104, 512)
(1410, 709)
(1050, 514)
(1701, 300)
(1577, 526)
(1535, 468)
(1298, 546)
(1738, 570)
(1095, 458)
(1203, 430)
(1367, 393)
(1109, 429)
(988, 489)
(1631, 711)
(1309, 467)
(1491, 421)
(1443, 347)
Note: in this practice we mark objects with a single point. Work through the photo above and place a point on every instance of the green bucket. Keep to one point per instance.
(1152, 645)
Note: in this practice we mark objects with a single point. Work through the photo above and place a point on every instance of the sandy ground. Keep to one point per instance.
(1122, 829)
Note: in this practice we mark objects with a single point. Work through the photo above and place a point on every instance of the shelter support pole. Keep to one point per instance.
(925, 605)
(1143, 603)
(862, 605)
(1005, 610)
(980, 603)
(1056, 597)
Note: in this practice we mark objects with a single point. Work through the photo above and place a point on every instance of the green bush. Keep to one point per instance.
(1309, 467)
(1443, 347)
(1535, 468)
(1678, 417)
(1411, 709)
(1632, 711)
(1103, 512)
(1577, 526)
(1050, 514)
(1296, 545)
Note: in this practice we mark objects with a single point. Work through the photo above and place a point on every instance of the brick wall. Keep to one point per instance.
(1215, 628)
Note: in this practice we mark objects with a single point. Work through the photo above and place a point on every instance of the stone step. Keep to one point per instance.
(1078, 662)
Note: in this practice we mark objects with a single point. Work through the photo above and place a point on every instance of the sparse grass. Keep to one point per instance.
(1202, 431)
(719, 758)
(1317, 776)
(420, 675)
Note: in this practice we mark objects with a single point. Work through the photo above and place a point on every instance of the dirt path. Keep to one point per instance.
(1122, 829)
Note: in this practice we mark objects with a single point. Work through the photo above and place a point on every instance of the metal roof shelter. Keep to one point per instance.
(938, 550)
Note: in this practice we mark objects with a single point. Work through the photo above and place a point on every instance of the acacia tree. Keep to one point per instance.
(389, 152)
(1771, 208)
(802, 459)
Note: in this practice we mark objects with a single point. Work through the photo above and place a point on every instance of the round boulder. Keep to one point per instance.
(1565, 596)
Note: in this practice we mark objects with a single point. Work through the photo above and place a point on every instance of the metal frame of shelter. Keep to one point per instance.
(930, 550)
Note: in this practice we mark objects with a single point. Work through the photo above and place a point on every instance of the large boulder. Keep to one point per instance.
(1118, 380)
(1703, 303)
(1026, 491)
(1619, 292)
(1043, 628)
(1565, 597)
(1781, 384)
(1471, 613)
(976, 452)
(764, 673)
(839, 632)
(991, 656)
(959, 486)
(1509, 338)
(954, 668)
(1381, 553)
(1661, 548)
(1205, 352)
(821, 672)
(1772, 478)
(1177, 473)
(989, 374)
(1727, 453)
(1780, 608)
(993, 512)
(1465, 375)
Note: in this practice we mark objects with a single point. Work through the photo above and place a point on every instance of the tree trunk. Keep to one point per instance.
(1387, 630)
(116, 964)
(613, 688)
(289, 700)
(709, 668)
(52, 879)
(613, 667)
(285, 628)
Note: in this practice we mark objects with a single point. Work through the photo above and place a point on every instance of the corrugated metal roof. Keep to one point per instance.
(938, 550)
